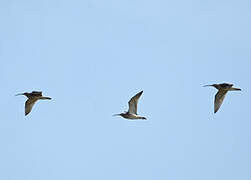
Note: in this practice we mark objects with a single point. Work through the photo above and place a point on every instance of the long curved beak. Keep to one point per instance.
(116, 115)
(19, 94)
(207, 85)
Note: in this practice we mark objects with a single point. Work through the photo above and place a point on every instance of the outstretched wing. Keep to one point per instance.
(133, 103)
(29, 104)
(219, 97)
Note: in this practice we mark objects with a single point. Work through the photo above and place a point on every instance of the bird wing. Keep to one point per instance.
(29, 104)
(133, 103)
(219, 97)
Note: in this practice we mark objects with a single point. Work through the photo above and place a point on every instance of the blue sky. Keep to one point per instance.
(92, 56)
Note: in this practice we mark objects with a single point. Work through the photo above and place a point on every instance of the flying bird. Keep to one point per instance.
(222, 91)
(132, 111)
(32, 99)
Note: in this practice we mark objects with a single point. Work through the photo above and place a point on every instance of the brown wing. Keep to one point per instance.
(29, 104)
(219, 97)
(133, 103)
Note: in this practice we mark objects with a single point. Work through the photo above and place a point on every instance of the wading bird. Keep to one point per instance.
(132, 111)
(222, 91)
(32, 98)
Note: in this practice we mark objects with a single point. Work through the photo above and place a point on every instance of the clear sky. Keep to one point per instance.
(92, 56)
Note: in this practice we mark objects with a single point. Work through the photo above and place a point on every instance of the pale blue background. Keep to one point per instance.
(92, 56)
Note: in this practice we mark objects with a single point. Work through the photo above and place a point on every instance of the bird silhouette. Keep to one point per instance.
(220, 95)
(32, 99)
(132, 111)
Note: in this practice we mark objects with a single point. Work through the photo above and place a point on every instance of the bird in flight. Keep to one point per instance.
(132, 111)
(32, 99)
(222, 91)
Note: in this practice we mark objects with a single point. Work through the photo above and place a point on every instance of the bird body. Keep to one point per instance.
(220, 95)
(130, 116)
(133, 106)
(32, 99)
